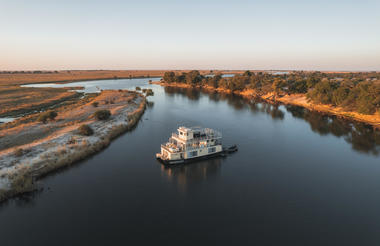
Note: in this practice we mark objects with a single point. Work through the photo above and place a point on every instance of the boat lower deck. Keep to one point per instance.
(184, 161)
(222, 153)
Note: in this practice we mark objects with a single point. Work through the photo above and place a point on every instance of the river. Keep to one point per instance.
(299, 178)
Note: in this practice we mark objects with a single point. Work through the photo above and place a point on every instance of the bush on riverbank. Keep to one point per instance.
(85, 130)
(149, 92)
(45, 116)
(95, 104)
(102, 114)
(19, 152)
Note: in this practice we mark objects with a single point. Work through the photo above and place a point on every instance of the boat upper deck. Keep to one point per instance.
(192, 138)
(196, 134)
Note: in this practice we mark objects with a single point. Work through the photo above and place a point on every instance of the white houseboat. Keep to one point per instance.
(190, 144)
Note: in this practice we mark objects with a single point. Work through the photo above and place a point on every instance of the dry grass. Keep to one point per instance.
(77, 75)
(27, 129)
(16, 100)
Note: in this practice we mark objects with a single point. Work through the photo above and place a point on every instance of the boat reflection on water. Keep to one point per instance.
(191, 173)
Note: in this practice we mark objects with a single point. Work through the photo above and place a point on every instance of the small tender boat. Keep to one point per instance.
(231, 149)
(191, 144)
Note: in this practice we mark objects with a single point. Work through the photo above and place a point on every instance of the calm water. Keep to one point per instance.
(299, 178)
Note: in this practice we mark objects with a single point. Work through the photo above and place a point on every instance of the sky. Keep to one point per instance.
(190, 34)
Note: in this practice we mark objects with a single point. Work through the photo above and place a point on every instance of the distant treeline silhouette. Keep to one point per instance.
(27, 72)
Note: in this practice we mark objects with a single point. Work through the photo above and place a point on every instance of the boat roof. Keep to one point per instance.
(207, 131)
(189, 129)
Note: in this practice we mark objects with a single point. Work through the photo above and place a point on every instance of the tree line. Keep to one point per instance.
(353, 91)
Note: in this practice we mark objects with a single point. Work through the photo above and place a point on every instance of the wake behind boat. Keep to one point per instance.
(191, 144)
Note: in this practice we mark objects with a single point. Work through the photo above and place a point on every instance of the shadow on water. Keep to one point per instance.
(184, 175)
(362, 137)
(150, 104)
(25, 200)
(191, 93)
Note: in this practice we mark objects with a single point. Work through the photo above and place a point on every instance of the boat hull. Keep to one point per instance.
(184, 161)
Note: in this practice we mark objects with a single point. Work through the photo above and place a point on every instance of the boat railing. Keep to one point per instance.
(174, 149)
(207, 137)
(177, 149)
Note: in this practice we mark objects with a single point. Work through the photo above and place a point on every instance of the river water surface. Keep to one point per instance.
(299, 178)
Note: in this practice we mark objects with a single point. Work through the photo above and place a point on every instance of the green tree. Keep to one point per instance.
(169, 77)
(193, 77)
(181, 78)
(368, 98)
(322, 92)
(247, 73)
(312, 81)
(340, 95)
(298, 86)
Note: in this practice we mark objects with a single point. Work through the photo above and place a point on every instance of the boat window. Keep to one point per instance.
(211, 150)
(193, 153)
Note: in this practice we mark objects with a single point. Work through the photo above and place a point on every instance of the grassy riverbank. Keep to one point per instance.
(63, 144)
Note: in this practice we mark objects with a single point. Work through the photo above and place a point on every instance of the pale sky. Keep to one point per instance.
(191, 34)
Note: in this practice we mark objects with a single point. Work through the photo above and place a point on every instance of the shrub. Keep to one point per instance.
(138, 88)
(95, 104)
(144, 90)
(103, 114)
(149, 92)
(72, 141)
(85, 130)
(19, 152)
(49, 115)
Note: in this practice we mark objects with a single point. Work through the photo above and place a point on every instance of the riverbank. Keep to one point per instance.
(292, 99)
(31, 150)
